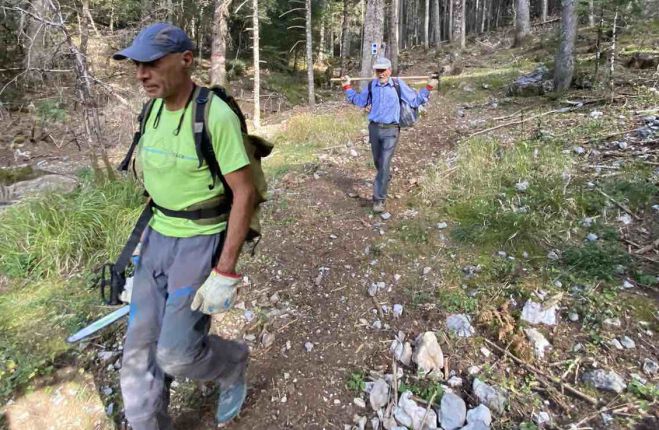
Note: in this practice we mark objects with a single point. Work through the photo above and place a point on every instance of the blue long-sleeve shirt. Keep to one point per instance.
(385, 107)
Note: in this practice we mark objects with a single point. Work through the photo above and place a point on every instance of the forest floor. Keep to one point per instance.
(556, 206)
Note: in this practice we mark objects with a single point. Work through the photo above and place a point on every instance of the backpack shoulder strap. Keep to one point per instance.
(370, 92)
(142, 118)
(397, 87)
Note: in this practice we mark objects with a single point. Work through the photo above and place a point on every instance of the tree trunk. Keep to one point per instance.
(426, 25)
(591, 13)
(484, 14)
(394, 36)
(257, 67)
(373, 29)
(436, 23)
(219, 43)
(458, 28)
(310, 88)
(345, 44)
(544, 8)
(565, 55)
(522, 22)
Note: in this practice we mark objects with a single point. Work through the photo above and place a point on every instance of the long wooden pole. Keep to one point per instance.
(372, 77)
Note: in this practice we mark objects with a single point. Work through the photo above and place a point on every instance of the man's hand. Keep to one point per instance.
(345, 80)
(217, 294)
(433, 81)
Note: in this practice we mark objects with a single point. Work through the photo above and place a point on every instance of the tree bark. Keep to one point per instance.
(522, 22)
(426, 25)
(591, 13)
(345, 32)
(310, 87)
(257, 68)
(458, 28)
(436, 23)
(450, 20)
(394, 36)
(219, 45)
(544, 8)
(564, 68)
(373, 29)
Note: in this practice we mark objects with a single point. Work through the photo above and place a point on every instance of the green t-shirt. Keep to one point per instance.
(170, 166)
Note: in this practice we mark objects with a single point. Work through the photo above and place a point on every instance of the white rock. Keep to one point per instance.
(453, 411)
(541, 418)
(385, 215)
(480, 413)
(411, 415)
(616, 344)
(596, 114)
(650, 367)
(522, 186)
(398, 310)
(426, 270)
(553, 255)
(427, 353)
(540, 343)
(473, 370)
(402, 351)
(460, 325)
(308, 346)
(626, 219)
(579, 150)
(592, 237)
(627, 285)
(628, 342)
(535, 313)
(353, 153)
(360, 421)
(573, 316)
(489, 396)
(486, 352)
(612, 322)
(441, 225)
(454, 382)
(603, 380)
(379, 396)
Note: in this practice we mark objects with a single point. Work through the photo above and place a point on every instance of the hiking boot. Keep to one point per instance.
(231, 399)
(378, 207)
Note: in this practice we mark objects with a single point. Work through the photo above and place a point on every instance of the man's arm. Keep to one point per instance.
(357, 99)
(413, 98)
(244, 200)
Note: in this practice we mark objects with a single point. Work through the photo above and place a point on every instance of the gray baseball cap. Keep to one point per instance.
(156, 41)
(381, 64)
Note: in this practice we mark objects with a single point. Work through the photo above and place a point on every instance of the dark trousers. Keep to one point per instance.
(383, 144)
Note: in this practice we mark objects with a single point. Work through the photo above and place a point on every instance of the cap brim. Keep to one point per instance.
(143, 54)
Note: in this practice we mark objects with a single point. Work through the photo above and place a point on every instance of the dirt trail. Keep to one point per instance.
(317, 245)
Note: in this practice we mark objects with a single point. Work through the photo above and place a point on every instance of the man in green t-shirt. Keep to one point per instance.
(187, 268)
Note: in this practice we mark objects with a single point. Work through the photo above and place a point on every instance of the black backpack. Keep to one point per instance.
(408, 114)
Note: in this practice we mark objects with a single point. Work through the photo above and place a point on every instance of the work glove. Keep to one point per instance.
(345, 80)
(433, 81)
(217, 294)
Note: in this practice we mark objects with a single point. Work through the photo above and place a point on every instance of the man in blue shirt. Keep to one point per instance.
(384, 118)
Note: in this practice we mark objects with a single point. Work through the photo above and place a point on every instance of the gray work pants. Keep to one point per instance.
(165, 338)
(383, 143)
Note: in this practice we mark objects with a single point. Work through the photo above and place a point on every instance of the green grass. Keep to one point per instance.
(356, 382)
(49, 247)
(292, 86)
(307, 134)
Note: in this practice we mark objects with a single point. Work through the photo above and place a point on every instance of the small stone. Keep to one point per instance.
(486, 352)
(377, 325)
(308, 346)
(267, 339)
(333, 236)
(592, 237)
(627, 285)
(522, 186)
(605, 380)
(379, 395)
(337, 401)
(385, 215)
(502, 254)
(460, 325)
(587, 222)
(441, 225)
(354, 153)
(249, 315)
(427, 353)
(274, 299)
(107, 357)
(411, 415)
(454, 382)
(398, 310)
(535, 313)
(473, 370)
(540, 343)
(650, 367)
(573, 316)
(553, 255)
(615, 322)
(577, 347)
(375, 288)
(426, 270)
(619, 269)
(107, 391)
(606, 418)
(481, 414)
(489, 396)
(628, 342)
(596, 114)
(397, 277)
(541, 418)
(616, 344)
(453, 411)
(109, 410)
(579, 150)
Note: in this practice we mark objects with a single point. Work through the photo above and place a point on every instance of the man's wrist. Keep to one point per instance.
(429, 87)
(347, 87)
(229, 274)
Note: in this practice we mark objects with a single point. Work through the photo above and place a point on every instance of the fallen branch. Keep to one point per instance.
(620, 205)
(508, 124)
(537, 371)
(647, 248)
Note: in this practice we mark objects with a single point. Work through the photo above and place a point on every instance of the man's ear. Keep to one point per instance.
(187, 59)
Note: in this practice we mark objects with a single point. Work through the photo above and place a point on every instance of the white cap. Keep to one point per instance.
(382, 63)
